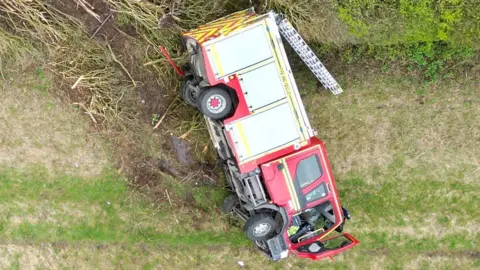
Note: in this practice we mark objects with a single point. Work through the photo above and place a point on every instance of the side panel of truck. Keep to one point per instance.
(239, 51)
(258, 134)
(275, 117)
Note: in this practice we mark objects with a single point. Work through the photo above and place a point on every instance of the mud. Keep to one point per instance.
(182, 148)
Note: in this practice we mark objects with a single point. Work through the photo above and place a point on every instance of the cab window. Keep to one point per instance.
(308, 170)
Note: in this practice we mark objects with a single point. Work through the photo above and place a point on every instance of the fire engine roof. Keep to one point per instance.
(224, 25)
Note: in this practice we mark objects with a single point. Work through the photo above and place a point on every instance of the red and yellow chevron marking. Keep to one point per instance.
(222, 26)
(235, 15)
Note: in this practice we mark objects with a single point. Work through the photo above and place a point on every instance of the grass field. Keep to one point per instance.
(80, 184)
(406, 170)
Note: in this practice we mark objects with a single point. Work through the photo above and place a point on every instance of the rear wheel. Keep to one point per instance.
(215, 103)
(260, 227)
(188, 92)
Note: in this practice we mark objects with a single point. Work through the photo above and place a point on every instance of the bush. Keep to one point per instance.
(409, 21)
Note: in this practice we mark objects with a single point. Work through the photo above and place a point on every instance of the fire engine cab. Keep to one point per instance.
(282, 185)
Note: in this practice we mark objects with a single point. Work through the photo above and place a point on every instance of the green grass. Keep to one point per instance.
(391, 201)
(110, 230)
(103, 212)
(43, 82)
(36, 184)
(408, 212)
(418, 215)
(404, 157)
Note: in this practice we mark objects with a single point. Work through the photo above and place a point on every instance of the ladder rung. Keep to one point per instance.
(308, 56)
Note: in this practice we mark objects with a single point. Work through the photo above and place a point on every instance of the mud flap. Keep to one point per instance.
(278, 248)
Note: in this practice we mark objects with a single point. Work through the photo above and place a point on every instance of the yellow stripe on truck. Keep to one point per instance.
(286, 82)
(292, 193)
(217, 61)
(291, 186)
(243, 138)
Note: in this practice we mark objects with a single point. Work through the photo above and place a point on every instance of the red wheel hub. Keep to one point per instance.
(215, 102)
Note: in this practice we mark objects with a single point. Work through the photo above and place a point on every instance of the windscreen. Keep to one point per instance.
(308, 170)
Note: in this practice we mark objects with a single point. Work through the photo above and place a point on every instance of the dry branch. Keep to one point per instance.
(165, 113)
(168, 196)
(87, 111)
(77, 82)
(89, 10)
(121, 65)
(101, 25)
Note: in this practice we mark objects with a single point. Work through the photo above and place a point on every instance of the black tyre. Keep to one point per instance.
(215, 103)
(189, 95)
(191, 45)
(260, 227)
(229, 203)
(340, 227)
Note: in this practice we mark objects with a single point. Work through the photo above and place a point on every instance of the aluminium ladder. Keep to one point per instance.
(307, 55)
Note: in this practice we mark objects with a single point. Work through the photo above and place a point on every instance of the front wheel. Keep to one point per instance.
(215, 103)
(260, 227)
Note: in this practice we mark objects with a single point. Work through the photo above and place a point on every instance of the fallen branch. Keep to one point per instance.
(121, 167)
(101, 25)
(89, 10)
(123, 33)
(184, 135)
(176, 219)
(165, 113)
(1, 71)
(168, 197)
(121, 65)
(170, 201)
(86, 111)
(153, 62)
(77, 82)
(209, 178)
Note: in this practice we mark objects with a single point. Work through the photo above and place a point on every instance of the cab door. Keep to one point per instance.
(324, 248)
(311, 179)
(306, 173)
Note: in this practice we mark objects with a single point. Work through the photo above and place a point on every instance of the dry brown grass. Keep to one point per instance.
(72, 55)
(37, 20)
(38, 129)
(93, 74)
(112, 256)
